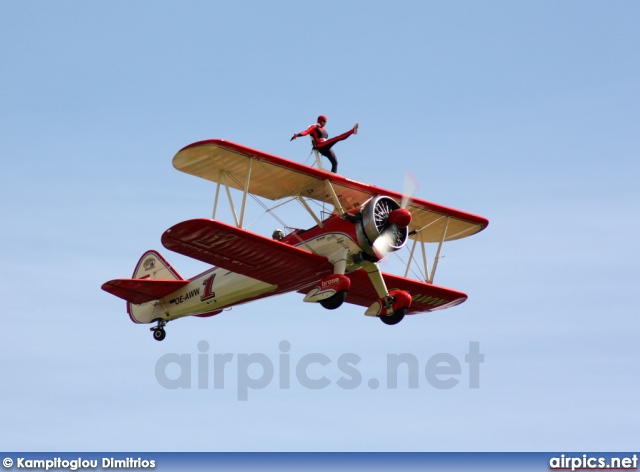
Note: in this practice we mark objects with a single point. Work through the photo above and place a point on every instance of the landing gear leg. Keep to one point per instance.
(158, 332)
(391, 306)
(375, 275)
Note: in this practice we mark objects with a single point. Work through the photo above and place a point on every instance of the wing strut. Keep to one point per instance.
(437, 256)
(245, 192)
(233, 208)
(429, 275)
(413, 248)
(308, 208)
(334, 196)
(215, 203)
(223, 179)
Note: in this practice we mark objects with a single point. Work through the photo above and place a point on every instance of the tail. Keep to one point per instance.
(153, 278)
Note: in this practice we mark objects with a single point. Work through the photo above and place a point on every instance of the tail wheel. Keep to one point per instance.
(335, 301)
(395, 318)
(159, 334)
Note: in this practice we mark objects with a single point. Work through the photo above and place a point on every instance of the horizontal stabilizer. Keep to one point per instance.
(139, 291)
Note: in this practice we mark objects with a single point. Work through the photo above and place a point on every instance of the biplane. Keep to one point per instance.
(334, 262)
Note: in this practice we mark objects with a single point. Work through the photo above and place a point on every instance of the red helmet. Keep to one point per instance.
(322, 118)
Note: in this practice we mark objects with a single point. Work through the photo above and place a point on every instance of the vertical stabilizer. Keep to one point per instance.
(153, 266)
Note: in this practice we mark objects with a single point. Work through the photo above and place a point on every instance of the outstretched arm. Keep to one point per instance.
(304, 133)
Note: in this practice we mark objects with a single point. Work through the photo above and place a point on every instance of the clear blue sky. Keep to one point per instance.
(524, 112)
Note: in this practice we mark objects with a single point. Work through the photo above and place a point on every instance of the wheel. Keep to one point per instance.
(334, 301)
(159, 334)
(395, 318)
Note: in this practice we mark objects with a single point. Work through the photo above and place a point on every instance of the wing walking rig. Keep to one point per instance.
(335, 261)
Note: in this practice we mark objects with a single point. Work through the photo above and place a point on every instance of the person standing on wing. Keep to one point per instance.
(321, 141)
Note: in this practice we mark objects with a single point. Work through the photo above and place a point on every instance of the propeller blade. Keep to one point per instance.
(385, 243)
(408, 189)
(382, 244)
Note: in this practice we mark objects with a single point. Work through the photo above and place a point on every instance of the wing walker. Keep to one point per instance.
(333, 262)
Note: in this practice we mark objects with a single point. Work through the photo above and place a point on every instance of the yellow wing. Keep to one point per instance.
(275, 178)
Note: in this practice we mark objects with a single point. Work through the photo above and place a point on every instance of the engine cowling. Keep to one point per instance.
(383, 226)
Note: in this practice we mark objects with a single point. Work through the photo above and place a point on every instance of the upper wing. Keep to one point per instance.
(246, 253)
(426, 297)
(274, 178)
(139, 291)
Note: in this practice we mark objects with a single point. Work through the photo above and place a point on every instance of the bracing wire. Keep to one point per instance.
(419, 276)
(307, 160)
(264, 207)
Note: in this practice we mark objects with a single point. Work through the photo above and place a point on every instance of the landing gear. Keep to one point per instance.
(334, 301)
(394, 318)
(158, 332)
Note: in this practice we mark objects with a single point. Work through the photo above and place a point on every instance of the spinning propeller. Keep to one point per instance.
(393, 222)
(384, 224)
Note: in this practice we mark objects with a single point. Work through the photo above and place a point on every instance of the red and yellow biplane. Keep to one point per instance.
(333, 262)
